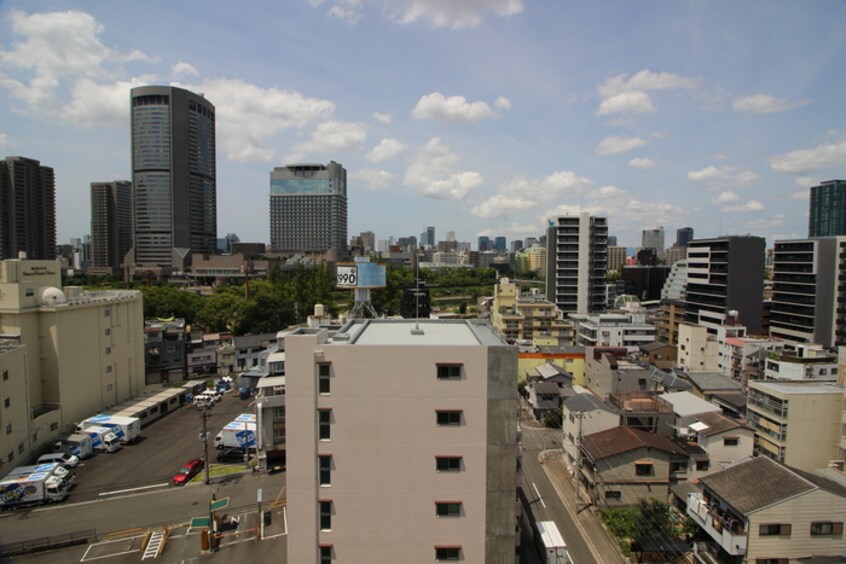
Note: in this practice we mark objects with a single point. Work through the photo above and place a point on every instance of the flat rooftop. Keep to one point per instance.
(427, 332)
(797, 387)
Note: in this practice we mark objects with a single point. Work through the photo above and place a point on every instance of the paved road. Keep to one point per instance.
(547, 506)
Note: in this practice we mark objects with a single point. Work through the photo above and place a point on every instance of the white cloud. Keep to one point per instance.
(751, 205)
(371, 178)
(636, 102)
(608, 192)
(726, 197)
(4, 141)
(621, 94)
(346, 10)
(810, 160)
(182, 69)
(723, 177)
(501, 204)
(432, 172)
(453, 109)
(247, 116)
(386, 150)
(382, 118)
(639, 162)
(95, 104)
(334, 136)
(57, 47)
(502, 103)
(454, 14)
(617, 145)
(800, 195)
(763, 104)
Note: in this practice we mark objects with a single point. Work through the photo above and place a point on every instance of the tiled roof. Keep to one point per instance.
(580, 403)
(622, 439)
(717, 423)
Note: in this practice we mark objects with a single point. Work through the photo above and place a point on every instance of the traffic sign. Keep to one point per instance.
(199, 522)
(219, 504)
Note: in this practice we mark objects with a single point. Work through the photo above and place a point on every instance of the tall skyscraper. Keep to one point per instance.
(485, 243)
(828, 209)
(27, 209)
(577, 263)
(654, 239)
(430, 236)
(308, 208)
(173, 176)
(684, 235)
(725, 274)
(500, 243)
(111, 224)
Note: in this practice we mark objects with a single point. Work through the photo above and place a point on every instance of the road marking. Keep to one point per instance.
(537, 493)
(116, 492)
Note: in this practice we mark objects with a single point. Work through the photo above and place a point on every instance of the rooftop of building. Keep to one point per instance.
(409, 332)
(761, 482)
(797, 388)
(707, 381)
(734, 399)
(686, 404)
(618, 440)
(581, 403)
(716, 423)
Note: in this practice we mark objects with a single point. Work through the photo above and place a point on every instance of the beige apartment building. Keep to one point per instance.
(84, 351)
(402, 443)
(526, 316)
(796, 423)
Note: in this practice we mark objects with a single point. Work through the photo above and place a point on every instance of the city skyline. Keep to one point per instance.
(487, 117)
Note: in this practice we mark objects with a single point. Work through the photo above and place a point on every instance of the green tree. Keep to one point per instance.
(223, 311)
(170, 301)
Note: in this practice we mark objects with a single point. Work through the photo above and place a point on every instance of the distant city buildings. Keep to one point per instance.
(827, 215)
(577, 262)
(27, 209)
(174, 176)
(684, 235)
(308, 208)
(111, 225)
(653, 239)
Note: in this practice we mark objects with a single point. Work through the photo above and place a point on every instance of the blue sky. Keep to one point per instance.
(483, 117)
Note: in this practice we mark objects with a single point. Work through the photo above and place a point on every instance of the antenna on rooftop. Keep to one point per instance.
(417, 330)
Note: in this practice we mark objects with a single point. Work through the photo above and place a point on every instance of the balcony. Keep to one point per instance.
(728, 531)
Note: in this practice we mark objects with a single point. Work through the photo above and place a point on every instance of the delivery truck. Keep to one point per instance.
(126, 429)
(102, 439)
(32, 485)
(237, 434)
(77, 444)
(550, 543)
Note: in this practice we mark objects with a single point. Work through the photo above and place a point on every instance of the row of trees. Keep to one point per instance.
(287, 297)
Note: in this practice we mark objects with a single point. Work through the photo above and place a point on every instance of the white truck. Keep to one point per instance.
(240, 433)
(103, 439)
(30, 485)
(550, 543)
(126, 429)
(77, 444)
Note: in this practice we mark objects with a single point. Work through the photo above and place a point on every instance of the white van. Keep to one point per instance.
(65, 459)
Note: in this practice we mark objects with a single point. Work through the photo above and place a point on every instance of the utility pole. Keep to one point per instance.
(204, 436)
(578, 472)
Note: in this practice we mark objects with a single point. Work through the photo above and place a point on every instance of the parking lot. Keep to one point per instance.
(162, 448)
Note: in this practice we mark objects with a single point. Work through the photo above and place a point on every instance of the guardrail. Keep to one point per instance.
(48, 543)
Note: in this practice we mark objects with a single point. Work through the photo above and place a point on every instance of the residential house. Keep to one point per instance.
(659, 354)
(726, 441)
(687, 408)
(706, 384)
(643, 411)
(761, 511)
(584, 414)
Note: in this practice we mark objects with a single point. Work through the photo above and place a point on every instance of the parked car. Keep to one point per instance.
(188, 471)
(65, 459)
(231, 455)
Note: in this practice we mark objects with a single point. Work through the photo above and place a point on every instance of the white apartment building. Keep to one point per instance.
(705, 349)
(807, 362)
(676, 281)
(84, 350)
(577, 263)
(630, 330)
(402, 443)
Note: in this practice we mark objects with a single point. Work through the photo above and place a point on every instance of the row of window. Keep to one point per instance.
(443, 418)
(324, 385)
(442, 553)
(818, 528)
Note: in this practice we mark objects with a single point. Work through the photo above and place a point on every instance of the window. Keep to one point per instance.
(572, 417)
(54, 426)
(774, 529)
(5, 375)
(703, 465)
(731, 441)
(613, 495)
(449, 372)
(449, 417)
(279, 414)
(448, 508)
(30, 292)
(9, 429)
(7, 403)
(107, 332)
(106, 312)
(325, 469)
(323, 384)
(643, 469)
(109, 369)
(826, 528)
(108, 350)
(325, 421)
(325, 515)
(447, 553)
(325, 554)
(279, 435)
(20, 448)
(448, 463)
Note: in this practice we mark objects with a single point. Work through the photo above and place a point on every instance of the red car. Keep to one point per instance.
(188, 471)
